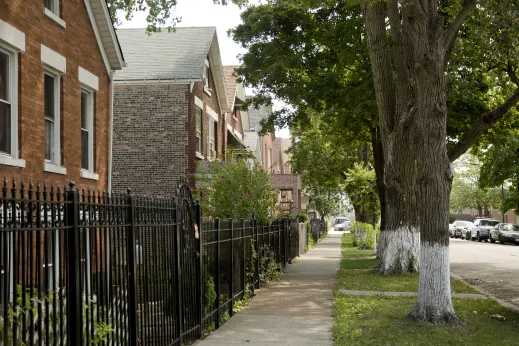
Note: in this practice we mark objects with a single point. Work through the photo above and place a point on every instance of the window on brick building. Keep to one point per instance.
(206, 75)
(52, 118)
(87, 130)
(52, 5)
(198, 116)
(211, 140)
(5, 104)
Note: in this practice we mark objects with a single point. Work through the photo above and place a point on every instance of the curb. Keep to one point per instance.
(503, 303)
(407, 294)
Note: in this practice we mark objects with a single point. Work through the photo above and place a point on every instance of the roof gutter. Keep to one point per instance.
(111, 131)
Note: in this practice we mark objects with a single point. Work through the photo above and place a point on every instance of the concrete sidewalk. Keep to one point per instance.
(294, 311)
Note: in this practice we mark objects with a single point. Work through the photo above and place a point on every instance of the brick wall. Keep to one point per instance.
(289, 182)
(78, 45)
(150, 137)
(155, 135)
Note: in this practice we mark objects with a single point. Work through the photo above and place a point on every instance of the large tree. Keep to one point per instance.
(409, 71)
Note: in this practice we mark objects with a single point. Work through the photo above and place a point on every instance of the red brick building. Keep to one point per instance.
(56, 62)
(169, 108)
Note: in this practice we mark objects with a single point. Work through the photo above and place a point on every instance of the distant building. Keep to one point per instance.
(170, 107)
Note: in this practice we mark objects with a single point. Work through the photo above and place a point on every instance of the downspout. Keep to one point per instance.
(111, 131)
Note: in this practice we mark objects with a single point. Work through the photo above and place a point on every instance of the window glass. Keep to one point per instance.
(49, 116)
(199, 130)
(5, 107)
(85, 150)
(488, 223)
(50, 5)
(210, 124)
(4, 76)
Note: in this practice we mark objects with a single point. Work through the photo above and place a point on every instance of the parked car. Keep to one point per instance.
(458, 227)
(451, 229)
(481, 229)
(505, 233)
(466, 230)
(342, 224)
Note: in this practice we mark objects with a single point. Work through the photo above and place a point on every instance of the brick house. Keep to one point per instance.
(237, 119)
(56, 63)
(262, 146)
(283, 179)
(169, 107)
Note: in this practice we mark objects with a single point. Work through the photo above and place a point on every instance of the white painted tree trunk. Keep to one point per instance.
(434, 303)
(398, 250)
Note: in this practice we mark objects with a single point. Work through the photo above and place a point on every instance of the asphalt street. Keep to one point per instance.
(494, 268)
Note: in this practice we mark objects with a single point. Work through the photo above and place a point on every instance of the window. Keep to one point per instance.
(269, 162)
(198, 130)
(52, 5)
(52, 116)
(5, 104)
(206, 76)
(87, 130)
(211, 135)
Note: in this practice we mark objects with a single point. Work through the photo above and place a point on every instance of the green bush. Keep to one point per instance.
(302, 217)
(235, 190)
(367, 229)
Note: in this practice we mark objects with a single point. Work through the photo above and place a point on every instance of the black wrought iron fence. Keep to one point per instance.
(317, 229)
(80, 266)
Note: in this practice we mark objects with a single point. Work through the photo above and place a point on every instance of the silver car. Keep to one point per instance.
(505, 233)
(342, 224)
(481, 229)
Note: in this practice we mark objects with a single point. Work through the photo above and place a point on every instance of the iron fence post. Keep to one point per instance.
(199, 278)
(244, 241)
(218, 273)
(180, 314)
(132, 270)
(288, 245)
(231, 283)
(73, 268)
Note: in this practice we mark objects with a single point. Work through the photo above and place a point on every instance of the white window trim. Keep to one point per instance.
(89, 175)
(90, 129)
(199, 103)
(211, 113)
(88, 79)
(56, 145)
(12, 158)
(56, 7)
(52, 168)
(53, 59)
(12, 36)
(210, 124)
(197, 153)
(199, 156)
(54, 17)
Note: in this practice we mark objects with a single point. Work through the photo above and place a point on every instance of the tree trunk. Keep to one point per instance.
(378, 165)
(480, 210)
(487, 212)
(398, 246)
(434, 303)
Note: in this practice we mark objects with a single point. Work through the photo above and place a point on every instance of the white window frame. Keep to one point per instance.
(12, 158)
(54, 6)
(90, 129)
(56, 144)
(206, 74)
(211, 136)
(198, 131)
(53, 13)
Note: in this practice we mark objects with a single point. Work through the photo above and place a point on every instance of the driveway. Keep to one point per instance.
(494, 268)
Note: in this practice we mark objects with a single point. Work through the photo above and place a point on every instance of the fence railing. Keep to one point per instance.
(81, 267)
(317, 229)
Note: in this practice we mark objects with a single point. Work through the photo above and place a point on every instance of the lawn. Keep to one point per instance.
(381, 320)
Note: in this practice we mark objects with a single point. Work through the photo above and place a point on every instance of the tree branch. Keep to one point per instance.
(482, 126)
(452, 31)
(512, 74)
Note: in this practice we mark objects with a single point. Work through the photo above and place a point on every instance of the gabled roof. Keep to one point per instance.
(177, 57)
(105, 34)
(230, 83)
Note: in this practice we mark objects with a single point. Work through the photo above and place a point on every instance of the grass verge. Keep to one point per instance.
(381, 320)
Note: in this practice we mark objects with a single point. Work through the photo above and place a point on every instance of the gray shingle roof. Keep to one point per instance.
(165, 56)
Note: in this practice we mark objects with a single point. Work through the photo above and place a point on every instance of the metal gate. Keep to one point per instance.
(188, 229)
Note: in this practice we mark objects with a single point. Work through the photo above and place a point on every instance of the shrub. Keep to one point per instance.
(235, 190)
(302, 217)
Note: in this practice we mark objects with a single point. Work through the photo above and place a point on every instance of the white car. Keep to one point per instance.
(342, 224)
